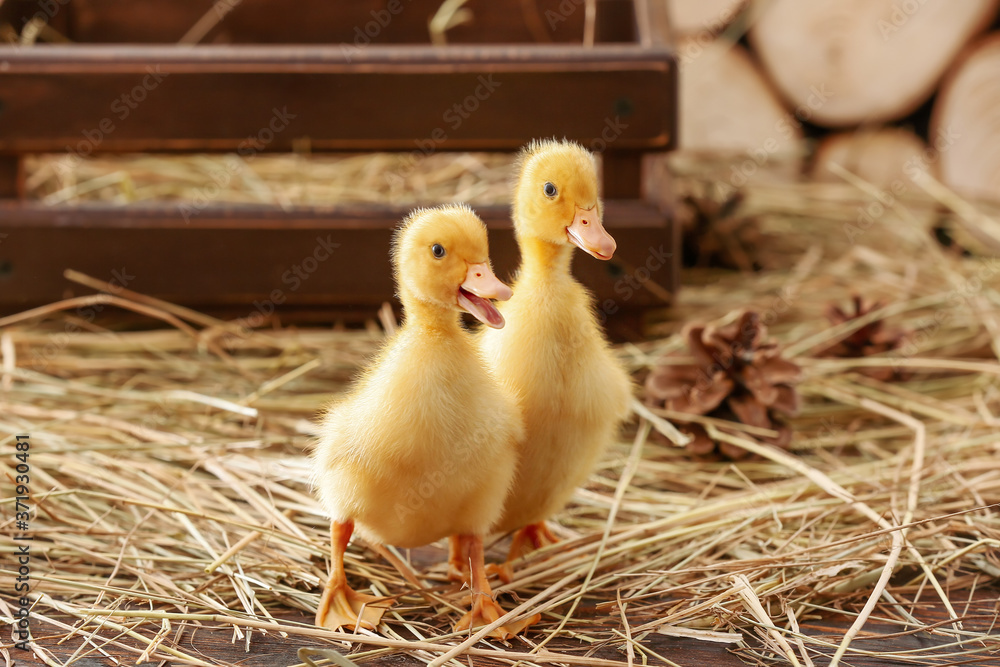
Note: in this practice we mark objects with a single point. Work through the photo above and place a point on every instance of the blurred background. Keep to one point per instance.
(196, 204)
(209, 144)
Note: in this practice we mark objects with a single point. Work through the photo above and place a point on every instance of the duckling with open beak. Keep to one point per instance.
(423, 446)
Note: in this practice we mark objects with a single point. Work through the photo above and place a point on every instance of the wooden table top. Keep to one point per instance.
(981, 612)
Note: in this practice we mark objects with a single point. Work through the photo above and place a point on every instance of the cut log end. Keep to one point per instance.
(848, 62)
(727, 107)
(884, 157)
(965, 125)
(703, 17)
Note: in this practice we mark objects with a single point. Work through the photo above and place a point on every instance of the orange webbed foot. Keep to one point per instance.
(485, 610)
(517, 627)
(503, 571)
(530, 538)
(342, 607)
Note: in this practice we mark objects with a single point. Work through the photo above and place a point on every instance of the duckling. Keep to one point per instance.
(553, 354)
(423, 447)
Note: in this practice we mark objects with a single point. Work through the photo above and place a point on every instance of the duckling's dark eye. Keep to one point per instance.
(438, 250)
(550, 190)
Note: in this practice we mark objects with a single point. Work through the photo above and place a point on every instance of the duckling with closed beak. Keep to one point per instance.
(553, 354)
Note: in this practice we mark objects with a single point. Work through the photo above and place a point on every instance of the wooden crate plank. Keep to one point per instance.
(11, 177)
(621, 172)
(496, 103)
(615, 21)
(311, 261)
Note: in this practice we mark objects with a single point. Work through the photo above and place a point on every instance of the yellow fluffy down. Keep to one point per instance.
(552, 354)
(424, 445)
(572, 391)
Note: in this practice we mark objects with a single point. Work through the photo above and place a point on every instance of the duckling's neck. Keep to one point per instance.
(541, 258)
(431, 317)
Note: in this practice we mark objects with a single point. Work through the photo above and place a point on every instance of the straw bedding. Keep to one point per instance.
(383, 178)
(171, 484)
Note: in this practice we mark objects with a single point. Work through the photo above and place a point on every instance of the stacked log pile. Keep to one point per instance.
(883, 88)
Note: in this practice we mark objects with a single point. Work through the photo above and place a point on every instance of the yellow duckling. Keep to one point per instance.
(572, 391)
(424, 446)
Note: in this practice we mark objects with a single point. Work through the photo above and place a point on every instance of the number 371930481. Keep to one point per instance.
(23, 479)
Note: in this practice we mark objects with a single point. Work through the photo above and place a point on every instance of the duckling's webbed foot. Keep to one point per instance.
(341, 606)
(531, 537)
(537, 535)
(485, 610)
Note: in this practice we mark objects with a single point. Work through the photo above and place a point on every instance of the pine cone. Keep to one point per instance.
(871, 339)
(737, 375)
(715, 233)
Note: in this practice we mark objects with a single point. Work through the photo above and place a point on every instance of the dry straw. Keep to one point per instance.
(370, 178)
(171, 483)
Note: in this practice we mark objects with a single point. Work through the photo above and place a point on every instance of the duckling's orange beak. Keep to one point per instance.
(481, 284)
(587, 233)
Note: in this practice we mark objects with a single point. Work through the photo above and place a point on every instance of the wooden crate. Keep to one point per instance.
(272, 76)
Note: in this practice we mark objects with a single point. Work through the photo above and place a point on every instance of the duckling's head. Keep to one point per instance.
(441, 258)
(555, 198)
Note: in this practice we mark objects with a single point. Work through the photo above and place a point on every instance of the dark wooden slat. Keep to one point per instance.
(654, 32)
(615, 21)
(11, 181)
(269, 112)
(9, 13)
(101, 98)
(237, 260)
(622, 172)
(172, 215)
